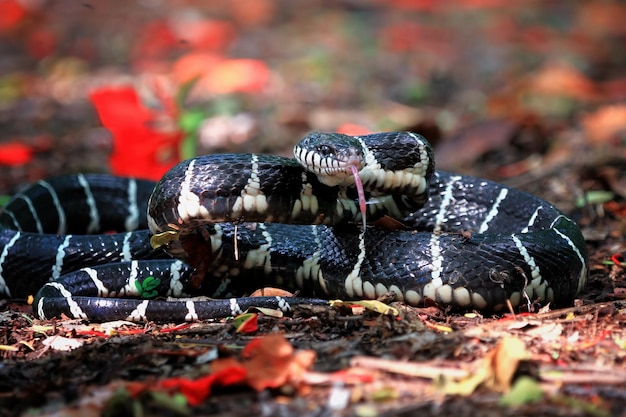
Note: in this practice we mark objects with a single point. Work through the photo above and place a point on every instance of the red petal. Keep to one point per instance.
(140, 149)
(120, 108)
(197, 390)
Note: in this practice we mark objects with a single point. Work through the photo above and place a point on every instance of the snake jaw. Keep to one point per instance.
(338, 171)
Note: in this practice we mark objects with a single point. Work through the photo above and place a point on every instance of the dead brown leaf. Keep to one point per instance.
(605, 124)
(558, 79)
(270, 362)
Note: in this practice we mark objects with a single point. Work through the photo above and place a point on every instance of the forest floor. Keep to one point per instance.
(530, 94)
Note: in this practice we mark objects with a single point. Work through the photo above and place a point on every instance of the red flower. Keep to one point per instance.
(15, 153)
(145, 141)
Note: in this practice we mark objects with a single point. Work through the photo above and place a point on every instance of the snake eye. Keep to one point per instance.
(325, 150)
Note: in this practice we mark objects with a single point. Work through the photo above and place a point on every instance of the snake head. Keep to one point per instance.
(332, 157)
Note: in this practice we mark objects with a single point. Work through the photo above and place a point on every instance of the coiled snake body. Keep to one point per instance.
(459, 241)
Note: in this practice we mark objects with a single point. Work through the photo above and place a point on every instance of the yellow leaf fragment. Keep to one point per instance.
(372, 305)
(29, 344)
(504, 362)
(37, 328)
(468, 385)
(9, 348)
(495, 370)
(386, 393)
(159, 239)
(270, 312)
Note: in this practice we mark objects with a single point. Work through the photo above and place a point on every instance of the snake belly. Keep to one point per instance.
(473, 244)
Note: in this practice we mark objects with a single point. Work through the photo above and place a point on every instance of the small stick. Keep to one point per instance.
(408, 368)
(235, 242)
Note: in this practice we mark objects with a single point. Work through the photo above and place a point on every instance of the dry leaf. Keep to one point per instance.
(274, 362)
(548, 332)
(606, 124)
(496, 369)
(372, 305)
(246, 323)
(271, 292)
(504, 361)
(562, 80)
(467, 386)
(62, 343)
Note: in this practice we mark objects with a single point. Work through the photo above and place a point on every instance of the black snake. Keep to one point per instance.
(457, 240)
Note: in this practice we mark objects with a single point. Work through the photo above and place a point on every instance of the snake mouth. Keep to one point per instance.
(336, 168)
(334, 165)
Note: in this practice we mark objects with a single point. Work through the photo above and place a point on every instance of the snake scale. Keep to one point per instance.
(218, 227)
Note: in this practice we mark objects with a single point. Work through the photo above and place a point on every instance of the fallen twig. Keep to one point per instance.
(421, 369)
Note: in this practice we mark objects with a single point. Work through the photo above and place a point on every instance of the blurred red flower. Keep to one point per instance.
(353, 129)
(15, 153)
(219, 75)
(155, 40)
(145, 140)
(237, 75)
(41, 43)
(206, 34)
(11, 13)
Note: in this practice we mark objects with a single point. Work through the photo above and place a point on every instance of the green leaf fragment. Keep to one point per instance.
(176, 403)
(185, 89)
(525, 390)
(595, 197)
(148, 287)
(4, 200)
(190, 121)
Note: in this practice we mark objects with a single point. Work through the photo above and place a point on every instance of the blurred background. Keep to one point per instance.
(506, 90)
(530, 93)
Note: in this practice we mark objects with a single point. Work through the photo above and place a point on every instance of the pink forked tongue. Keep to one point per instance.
(358, 184)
